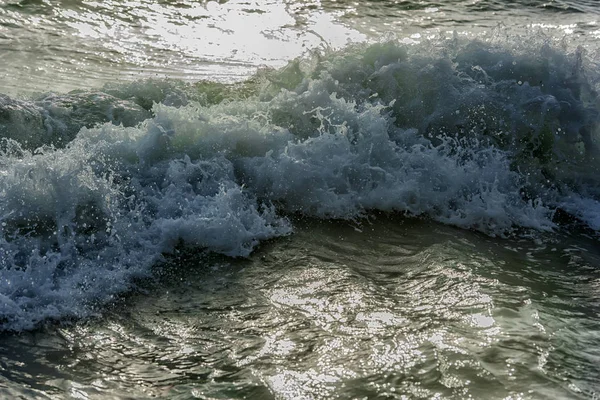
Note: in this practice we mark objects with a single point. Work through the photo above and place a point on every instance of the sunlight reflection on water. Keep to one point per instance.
(126, 39)
(414, 313)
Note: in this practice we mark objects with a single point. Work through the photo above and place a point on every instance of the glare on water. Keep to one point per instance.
(401, 310)
(64, 45)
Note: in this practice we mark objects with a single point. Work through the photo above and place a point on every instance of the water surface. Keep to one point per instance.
(299, 199)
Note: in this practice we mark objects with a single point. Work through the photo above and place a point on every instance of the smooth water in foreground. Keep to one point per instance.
(391, 308)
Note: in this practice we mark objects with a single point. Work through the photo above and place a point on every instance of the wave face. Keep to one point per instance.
(96, 187)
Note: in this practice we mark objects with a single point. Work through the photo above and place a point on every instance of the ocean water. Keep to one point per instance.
(299, 199)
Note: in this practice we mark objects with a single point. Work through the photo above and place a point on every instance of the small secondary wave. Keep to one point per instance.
(96, 187)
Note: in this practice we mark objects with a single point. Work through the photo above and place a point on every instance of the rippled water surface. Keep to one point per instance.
(381, 310)
(63, 45)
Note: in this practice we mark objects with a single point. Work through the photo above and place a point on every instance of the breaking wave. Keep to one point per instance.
(495, 135)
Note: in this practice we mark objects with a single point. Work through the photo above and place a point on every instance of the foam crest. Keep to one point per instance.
(357, 166)
(79, 224)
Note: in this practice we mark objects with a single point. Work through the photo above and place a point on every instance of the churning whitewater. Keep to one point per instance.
(498, 135)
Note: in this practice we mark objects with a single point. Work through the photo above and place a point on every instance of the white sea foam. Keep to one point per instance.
(466, 133)
(78, 224)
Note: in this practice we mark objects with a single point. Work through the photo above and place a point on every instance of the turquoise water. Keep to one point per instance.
(299, 200)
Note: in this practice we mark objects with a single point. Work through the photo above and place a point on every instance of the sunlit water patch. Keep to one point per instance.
(65, 45)
(388, 309)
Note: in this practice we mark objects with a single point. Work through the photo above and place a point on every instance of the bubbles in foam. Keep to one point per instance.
(80, 223)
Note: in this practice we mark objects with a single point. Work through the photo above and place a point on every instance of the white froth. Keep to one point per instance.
(461, 133)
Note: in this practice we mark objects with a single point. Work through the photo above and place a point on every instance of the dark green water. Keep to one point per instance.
(389, 309)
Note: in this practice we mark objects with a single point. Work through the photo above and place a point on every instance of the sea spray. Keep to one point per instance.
(474, 134)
